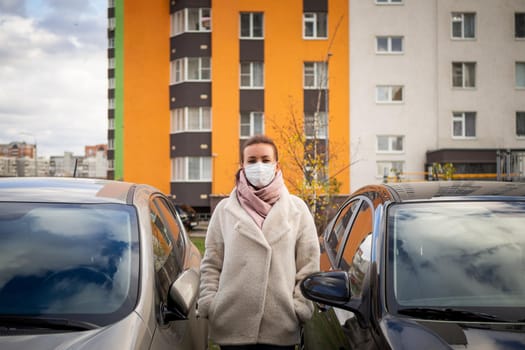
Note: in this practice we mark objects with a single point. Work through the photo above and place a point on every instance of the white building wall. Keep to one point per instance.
(495, 98)
(425, 70)
(415, 69)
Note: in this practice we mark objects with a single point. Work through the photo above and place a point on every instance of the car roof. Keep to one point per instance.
(64, 190)
(406, 191)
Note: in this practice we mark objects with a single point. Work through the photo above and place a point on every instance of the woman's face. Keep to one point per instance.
(259, 152)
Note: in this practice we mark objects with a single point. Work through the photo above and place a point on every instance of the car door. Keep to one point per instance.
(169, 256)
(347, 244)
(355, 258)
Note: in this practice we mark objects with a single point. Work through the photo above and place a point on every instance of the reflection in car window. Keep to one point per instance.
(458, 254)
(64, 259)
(356, 254)
(167, 245)
(335, 237)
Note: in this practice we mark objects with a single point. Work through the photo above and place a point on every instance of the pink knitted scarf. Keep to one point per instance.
(258, 202)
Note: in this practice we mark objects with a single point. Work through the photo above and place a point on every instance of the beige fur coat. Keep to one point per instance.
(250, 277)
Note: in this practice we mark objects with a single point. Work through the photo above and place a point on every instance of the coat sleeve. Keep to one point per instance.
(307, 256)
(211, 265)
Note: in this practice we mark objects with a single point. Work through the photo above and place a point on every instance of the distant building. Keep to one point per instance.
(64, 165)
(93, 164)
(96, 161)
(18, 159)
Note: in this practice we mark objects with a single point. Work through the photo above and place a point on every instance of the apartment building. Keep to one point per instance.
(436, 81)
(20, 159)
(189, 81)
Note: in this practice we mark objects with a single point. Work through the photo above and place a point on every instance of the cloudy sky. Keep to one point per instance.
(53, 74)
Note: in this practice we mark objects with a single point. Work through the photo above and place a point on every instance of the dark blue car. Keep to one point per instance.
(434, 265)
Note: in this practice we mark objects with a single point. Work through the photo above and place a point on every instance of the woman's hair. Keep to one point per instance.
(256, 139)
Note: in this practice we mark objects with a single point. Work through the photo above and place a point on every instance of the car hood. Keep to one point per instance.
(408, 334)
(129, 333)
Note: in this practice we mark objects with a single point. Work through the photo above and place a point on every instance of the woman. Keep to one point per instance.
(261, 242)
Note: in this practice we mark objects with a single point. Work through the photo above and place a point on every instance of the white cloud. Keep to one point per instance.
(53, 82)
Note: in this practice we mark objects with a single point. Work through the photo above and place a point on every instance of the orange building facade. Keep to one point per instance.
(191, 80)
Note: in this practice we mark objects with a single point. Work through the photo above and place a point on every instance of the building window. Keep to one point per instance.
(111, 103)
(252, 75)
(520, 124)
(316, 125)
(384, 2)
(190, 69)
(111, 23)
(387, 169)
(111, 83)
(111, 123)
(464, 74)
(389, 94)
(389, 44)
(191, 169)
(111, 43)
(191, 119)
(111, 63)
(111, 3)
(520, 75)
(252, 25)
(315, 75)
(111, 144)
(315, 25)
(191, 20)
(519, 25)
(252, 123)
(111, 164)
(464, 124)
(463, 25)
(390, 143)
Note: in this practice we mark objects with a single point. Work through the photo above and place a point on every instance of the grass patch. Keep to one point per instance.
(199, 243)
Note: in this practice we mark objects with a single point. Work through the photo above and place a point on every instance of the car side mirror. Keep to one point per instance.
(333, 288)
(182, 295)
(330, 288)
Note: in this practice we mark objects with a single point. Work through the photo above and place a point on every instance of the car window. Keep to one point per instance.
(355, 258)
(79, 260)
(174, 227)
(457, 254)
(335, 237)
(168, 245)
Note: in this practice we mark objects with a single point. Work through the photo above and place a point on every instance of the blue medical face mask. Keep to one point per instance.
(260, 174)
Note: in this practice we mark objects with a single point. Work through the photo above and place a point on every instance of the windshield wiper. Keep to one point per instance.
(45, 322)
(449, 314)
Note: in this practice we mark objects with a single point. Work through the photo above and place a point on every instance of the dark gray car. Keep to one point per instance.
(431, 265)
(94, 264)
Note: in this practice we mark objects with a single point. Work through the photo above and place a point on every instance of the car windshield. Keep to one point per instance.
(457, 254)
(68, 260)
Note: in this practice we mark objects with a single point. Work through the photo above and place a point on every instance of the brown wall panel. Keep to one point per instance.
(462, 156)
(195, 194)
(251, 100)
(190, 45)
(251, 50)
(315, 5)
(190, 144)
(313, 98)
(180, 4)
(190, 94)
